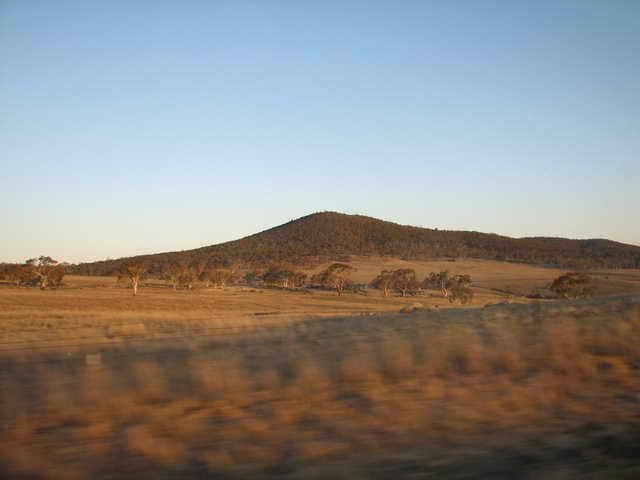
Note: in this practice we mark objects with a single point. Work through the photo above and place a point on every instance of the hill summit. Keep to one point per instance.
(327, 236)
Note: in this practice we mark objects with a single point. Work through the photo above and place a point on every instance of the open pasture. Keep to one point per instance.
(499, 278)
(248, 382)
(90, 311)
(97, 310)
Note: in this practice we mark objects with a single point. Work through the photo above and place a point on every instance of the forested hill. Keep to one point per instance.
(330, 236)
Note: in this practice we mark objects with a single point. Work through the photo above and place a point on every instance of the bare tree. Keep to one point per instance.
(572, 285)
(337, 276)
(134, 271)
(49, 272)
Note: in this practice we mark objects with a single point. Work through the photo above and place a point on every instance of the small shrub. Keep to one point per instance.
(572, 285)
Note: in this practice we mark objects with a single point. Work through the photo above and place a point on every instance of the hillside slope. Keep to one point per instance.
(328, 235)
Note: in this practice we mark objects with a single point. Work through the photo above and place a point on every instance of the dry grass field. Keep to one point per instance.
(501, 278)
(93, 311)
(266, 383)
(510, 391)
(98, 310)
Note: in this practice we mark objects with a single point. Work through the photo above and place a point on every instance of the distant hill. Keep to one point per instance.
(329, 236)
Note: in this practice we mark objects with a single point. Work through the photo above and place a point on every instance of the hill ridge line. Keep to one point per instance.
(324, 236)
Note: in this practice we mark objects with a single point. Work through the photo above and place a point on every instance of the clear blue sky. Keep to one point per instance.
(137, 127)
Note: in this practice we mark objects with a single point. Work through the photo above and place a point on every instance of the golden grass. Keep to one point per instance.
(98, 311)
(495, 276)
(302, 395)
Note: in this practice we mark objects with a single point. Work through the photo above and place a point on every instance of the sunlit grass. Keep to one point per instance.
(520, 372)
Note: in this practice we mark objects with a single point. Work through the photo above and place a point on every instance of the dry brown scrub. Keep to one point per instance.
(342, 397)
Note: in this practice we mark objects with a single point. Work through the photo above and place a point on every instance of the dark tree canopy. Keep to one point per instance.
(384, 282)
(172, 272)
(327, 236)
(217, 277)
(17, 274)
(437, 281)
(336, 275)
(572, 285)
(284, 277)
(48, 272)
(402, 280)
(459, 289)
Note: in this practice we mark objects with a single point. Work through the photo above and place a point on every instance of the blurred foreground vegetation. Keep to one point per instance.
(508, 391)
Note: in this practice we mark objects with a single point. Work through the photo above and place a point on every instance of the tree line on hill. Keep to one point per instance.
(322, 237)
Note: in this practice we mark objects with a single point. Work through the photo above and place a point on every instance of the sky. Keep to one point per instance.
(150, 126)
